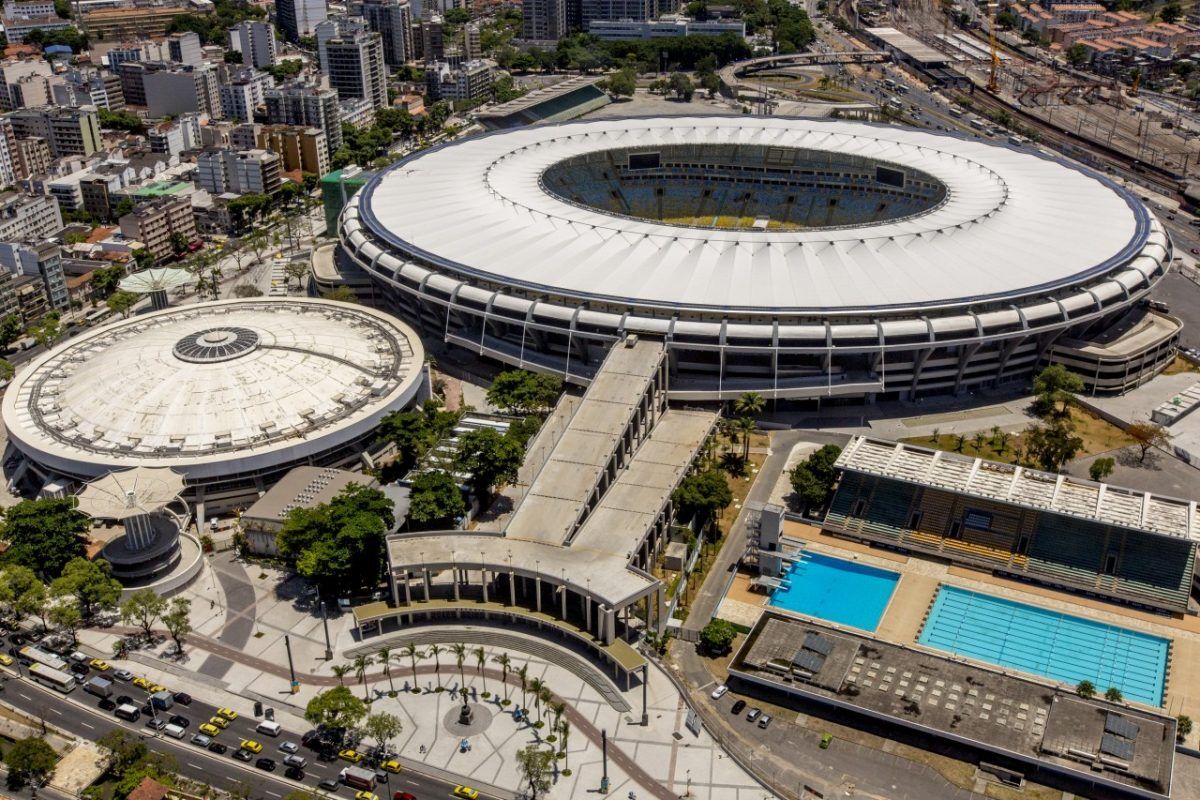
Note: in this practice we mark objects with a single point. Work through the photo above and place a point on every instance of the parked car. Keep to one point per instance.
(156, 723)
(265, 763)
(738, 707)
(201, 740)
(329, 785)
(295, 773)
(242, 754)
(764, 721)
(719, 692)
(123, 675)
(182, 722)
(183, 698)
(218, 748)
(754, 714)
(107, 705)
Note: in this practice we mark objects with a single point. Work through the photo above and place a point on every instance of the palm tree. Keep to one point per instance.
(360, 670)
(413, 653)
(557, 710)
(523, 674)
(384, 657)
(745, 426)
(481, 659)
(545, 696)
(435, 651)
(935, 435)
(977, 440)
(564, 735)
(460, 655)
(536, 686)
(505, 663)
(341, 671)
(749, 404)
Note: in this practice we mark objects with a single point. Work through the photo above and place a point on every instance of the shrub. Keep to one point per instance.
(717, 636)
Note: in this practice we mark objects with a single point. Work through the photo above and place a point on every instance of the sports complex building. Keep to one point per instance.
(799, 258)
(229, 394)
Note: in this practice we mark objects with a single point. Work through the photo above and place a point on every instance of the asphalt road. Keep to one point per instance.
(79, 714)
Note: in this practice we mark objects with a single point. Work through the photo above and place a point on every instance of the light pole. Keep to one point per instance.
(287, 643)
(325, 624)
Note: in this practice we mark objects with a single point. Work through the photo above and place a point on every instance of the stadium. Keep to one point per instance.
(799, 258)
(229, 394)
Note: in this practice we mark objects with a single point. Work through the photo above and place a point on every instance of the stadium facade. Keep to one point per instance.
(800, 258)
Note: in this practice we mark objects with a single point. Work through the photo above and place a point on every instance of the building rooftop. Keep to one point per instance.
(1022, 486)
(302, 487)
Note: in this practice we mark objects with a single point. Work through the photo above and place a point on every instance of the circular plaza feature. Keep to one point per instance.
(225, 393)
(797, 257)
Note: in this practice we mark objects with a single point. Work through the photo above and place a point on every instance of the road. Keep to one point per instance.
(79, 714)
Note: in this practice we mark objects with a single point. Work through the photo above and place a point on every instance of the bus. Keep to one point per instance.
(889, 83)
(37, 655)
(98, 315)
(56, 679)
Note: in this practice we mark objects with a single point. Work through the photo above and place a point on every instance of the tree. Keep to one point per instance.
(7, 370)
(383, 727)
(622, 83)
(105, 280)
(247, 290)
(296, 270)
(749, 404)
(342, 294)
(340, 671)
(703, 495)
(681, 85)
(460, 656)
(90, 583)
(490, 458)
(31, 759)
(11, 329)
(717, 636)
(384, 659)
(413, 654)
(1101, 468)
(46, 330)
(335, 708)
(1183, 727)
(564, 736)
(1056, 384)
(1052, 444)
(481, 660)
(44, 535)
(1113, 695)
(505, 662)
(360, 664)
(535, 766)
(179, 242)
(177, 621)
(67, 617)
(339, 545)
(143, 258)
(122, 302)
(1172, 11)
(16, 584)
(523, 676)
(1086, 689)
(435, 501)
(522, 392)
(435, 650)
(124, 750)
(537, 688)
(812, 479)
(744, 427)
(1147, 435)
(1077, 54)
(143, 607)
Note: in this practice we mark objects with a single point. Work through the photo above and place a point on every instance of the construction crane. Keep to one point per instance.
(992, 86)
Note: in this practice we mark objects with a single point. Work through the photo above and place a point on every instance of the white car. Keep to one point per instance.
(719, 692)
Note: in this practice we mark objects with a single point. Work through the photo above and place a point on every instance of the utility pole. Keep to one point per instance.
(645, 689)
(325, 623)
(604, 761)
(287, 643)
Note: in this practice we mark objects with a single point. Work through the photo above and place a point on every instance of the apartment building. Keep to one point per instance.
(67, 131)
(154, 223)
(255, 40)
(392, 20)
(241, 172)
(41, 260)
(244, 92)
(298, 147)
(180, 89)
(25, 217)
(297, 18)
(309, 106)
(355, 67)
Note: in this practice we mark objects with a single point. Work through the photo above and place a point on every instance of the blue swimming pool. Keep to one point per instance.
(1043, 642)
(840, 591)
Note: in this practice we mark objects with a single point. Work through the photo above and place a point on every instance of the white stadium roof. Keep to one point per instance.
(1013, 223)
(213, 389)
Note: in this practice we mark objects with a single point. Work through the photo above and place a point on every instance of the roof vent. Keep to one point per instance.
(631, 340)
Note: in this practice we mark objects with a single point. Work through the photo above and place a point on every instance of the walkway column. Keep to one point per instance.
(537, 587)
(425, 580)
(563, 595)
(512, 588)
(483, 581)
(454, 575)
(407, 589)
(609, 627)
(587, 613)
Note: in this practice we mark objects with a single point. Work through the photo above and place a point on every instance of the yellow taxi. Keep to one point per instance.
(6, 659)
(365, 795)
(252, 746)
(467, 792)
(220, 722)
(351, 755)
(99, 665)
(143, 683)
(209, 729)
(392, 766)
(156, 688)
(227, 713)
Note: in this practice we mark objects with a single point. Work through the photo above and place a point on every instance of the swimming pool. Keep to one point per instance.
(840, 591)
(1043, 642)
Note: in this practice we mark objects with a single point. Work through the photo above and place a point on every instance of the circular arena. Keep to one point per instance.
(800, 258)
(229, 394)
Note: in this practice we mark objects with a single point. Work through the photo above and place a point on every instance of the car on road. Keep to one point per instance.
(123, 675)
(719, 692)
(329, 785)
(218, 748)
(738, 707)
(227, 713)
(252, 746)
(363, 794)
(79, 669)
(78, 657)
(99, 665)
(467, 792)
(123, 699)
(156, 723)
(142, 683)
(351, 755)
(754, 714)
(403, 796)
(182, 722)
(183, 698)
(764, 721)
(391, 765)
(295, 773)
(201, 740)
(219, 722)
(1195, 251)
(155, 688)
(107, 705)
(289, 747)
(241, 754)
(6, 660)
(265, 763)
(210, 729)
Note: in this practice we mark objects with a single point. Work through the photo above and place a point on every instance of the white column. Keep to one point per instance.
(563, 596)
(454, 579)
(537, 590)
(407, 589)
(483, 582)
(587, 613)
(425, 580)
(512, 588)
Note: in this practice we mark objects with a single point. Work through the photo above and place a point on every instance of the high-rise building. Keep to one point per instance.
(300, 148)
(30, 157)
(185, 48)
(244, 92)
(433, 40)
(42, 260)
(469, 81)
(355, 66)
(616, 10)
(179, 89)
(15, 73)
(543, 20)
(8, 154)
(67, 131)
(89, 87)
(298, 18)
(391, 19)
(255, 40)
(472, 41)
(153, 224)
(25, 217)
(310, 106)
(176, 136)
(240, 172)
